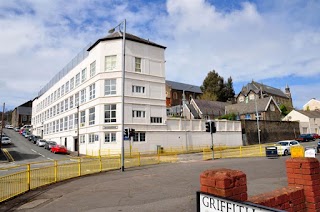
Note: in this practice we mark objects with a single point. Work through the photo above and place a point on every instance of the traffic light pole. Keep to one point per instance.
(212, 142)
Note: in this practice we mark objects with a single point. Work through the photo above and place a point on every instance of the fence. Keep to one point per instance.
(30, 176)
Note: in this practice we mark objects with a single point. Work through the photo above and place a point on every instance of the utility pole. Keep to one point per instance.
(2, 123)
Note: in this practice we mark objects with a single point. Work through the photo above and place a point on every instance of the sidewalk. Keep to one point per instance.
(164, 187)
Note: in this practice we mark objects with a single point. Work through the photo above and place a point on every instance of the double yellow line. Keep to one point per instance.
(7, 154)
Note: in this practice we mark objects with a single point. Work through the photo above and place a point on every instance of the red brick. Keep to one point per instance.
(208, 182)
(220, 192)
(244, 197)
(311, 188)
(290, 170)
(290, 180)
(239, 190)
(312, 199)
(313, 205)
(310, 165)
(311, 171)
(299, 181)
(311, 177)
(224, 183)
(297, 171)
(204, 189)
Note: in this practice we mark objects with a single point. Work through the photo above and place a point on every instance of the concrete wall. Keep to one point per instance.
(270, 131)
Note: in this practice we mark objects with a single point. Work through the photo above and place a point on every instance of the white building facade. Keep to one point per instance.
(95, 86)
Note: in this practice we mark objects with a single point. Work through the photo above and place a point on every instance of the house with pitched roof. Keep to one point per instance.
(309, 121)
(312, 105)
(21, 115)
(267, 109)
(257, 90)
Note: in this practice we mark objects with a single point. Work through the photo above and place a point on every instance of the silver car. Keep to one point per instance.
(5, 140)
(41, 142)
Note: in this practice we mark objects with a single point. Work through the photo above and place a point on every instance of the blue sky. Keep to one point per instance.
(275, 42)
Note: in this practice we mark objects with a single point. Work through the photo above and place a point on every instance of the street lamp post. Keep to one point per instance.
(78, 129)
(122, 87)
(185, 121)
(257, 117)
(2, 124)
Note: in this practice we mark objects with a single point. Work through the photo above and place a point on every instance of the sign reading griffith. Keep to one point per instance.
(209, 203)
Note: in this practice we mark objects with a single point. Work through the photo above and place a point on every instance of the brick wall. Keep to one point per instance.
(271, 131)
(302, 193)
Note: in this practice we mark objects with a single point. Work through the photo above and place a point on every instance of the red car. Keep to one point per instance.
(315, 136)
(59, 149)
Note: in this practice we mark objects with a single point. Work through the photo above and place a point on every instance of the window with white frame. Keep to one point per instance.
(54, 95)
(66, 123)
(91, 116)
(77, 80)
(83, 96)
(138, 114)
(70, 122)
(110, 137)
(71, 101)
(57, 125)
(110, 62)
(91, 138)
(54, 110)
(139, 137)
(156, 119)
(83, 75)
(58, 108)
(54, 126)
(241, 99)
(67, 86)
(110, 87)
(138, 64)
(82, 118)
(62, 90)
(72, 83)
(93, 69)
(76, 99)
(50, 112)
(138, 89)
(82, 139)
(58, 93)
(92, 91)
(61, 125)
(110, 111)
(251, 96)
(66, 104)
(76, 120)
(62, 106)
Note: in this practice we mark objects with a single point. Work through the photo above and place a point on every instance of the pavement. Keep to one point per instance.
(163, 187)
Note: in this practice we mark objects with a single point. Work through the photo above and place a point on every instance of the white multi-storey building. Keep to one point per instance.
(92, 81)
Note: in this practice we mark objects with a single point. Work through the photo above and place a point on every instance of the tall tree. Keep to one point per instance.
(214, 86)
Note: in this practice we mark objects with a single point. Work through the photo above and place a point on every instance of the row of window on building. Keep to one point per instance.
(110, 137)
(81, 77)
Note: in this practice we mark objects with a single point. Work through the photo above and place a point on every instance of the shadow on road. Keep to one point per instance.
(18, 156)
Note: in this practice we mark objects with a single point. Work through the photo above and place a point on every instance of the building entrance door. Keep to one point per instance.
(76, 144)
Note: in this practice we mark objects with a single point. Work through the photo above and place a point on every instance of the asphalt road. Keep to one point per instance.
(23, 151)
(164, 187)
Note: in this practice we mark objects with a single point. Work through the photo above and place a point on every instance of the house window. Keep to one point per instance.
(92, 91)
(62, 90)
(83, 96)
(70, 122)
(77, 80)
(110, 62)
(139, 137)
(251, 96)
(241, 99)
(82, 139)
(53, 126)
(66, 123)
(110, 111)
(156, 119)
(58, 93)
(83, 75)
(76, 97)
(138, 64)
(58, 108)
(76, 119)
(82, 118)
(61, 125)
(91, 138)
(67, 87)
(110, 137)
(66, 104)
(62, 106)
(55, 95)
(71, 83)
(110, 87)
(91, 116)
(54, 110)
(138, 114)
(248, 116)
(272, 107)
(71, 102)
(93, 69)
(138, 89)
(175, 95)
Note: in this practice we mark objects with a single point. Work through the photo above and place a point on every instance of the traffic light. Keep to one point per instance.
(131, 132)
(213, 127)
(208, 127)
(126, 132)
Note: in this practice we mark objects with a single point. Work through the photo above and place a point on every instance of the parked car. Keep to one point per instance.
(284, 147)
(35, 138)
(16, 129)
(304, 138)
(30, 138)
(41, 142)
(315, 136)
(49, 144)
(5, 140)
(59, 149)
(9, 126)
